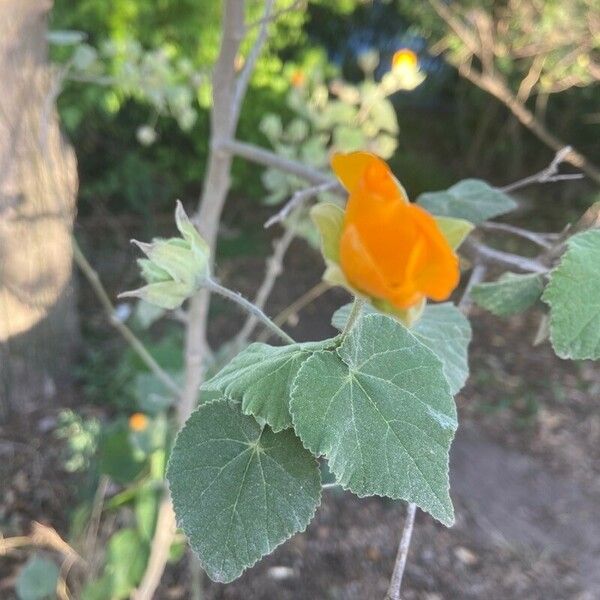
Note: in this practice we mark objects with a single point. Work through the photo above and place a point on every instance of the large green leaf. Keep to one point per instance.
(511, 294)
(239, 490)
(260, 377)
(443, 329)
(574, 298)
(471, 199)
(380, 410)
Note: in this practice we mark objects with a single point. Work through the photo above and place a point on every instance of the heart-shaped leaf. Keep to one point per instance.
(380, 410)
(238, 489)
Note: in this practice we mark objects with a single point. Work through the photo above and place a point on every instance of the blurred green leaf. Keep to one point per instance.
(511, 294)
(37, 579)
(471, 199)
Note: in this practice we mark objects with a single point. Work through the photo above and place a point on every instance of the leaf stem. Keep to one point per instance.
(393, 592)
(252, 309)
(357, 306)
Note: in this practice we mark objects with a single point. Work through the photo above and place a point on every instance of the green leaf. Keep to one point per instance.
(117, 457)
(443, 329)
(260, 377)
(472, 199)
(383, 116)
(146, 509)
(239, 490)
(574, 298)
(511, 294)
(37, 579)
(127, 555)
(380, 410)
(454, 230)
(447, 333)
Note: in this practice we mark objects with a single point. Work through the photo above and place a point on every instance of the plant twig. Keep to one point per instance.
(159, 550)
(299, 198)
(393, 592)
(491, 255)
(241, 85)
(274, 267)
(297, 4)
(94, 280)
(250, 308)
(309, 296)
(477, 275)
(547, 175)
(270, 159)
(545, 240)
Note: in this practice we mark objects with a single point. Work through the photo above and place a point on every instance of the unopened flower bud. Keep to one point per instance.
(174, 268)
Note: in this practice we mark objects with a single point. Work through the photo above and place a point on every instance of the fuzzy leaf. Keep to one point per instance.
(260, 377)
(511, 294)
(471, 199)
(443, 329)
(574, 298)
(239, 490)
(380, 410)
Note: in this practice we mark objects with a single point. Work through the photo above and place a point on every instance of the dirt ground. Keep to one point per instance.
(525, 482)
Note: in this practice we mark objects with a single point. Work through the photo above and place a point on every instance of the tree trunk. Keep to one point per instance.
(38, 183)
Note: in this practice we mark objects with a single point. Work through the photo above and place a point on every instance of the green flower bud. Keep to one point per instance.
(175, 268)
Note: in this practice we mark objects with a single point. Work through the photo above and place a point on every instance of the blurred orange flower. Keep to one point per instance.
(138, 422)
(404, 58)
(390, 249)
(298, 78)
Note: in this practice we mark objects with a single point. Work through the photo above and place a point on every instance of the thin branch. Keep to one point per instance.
(241, 85)
(393, 592)
(477, 275)
(94, 280)
(310, 296)
(506, 259)
(547, 175)
(545, 240)
(274, 267)
(159, 550)
(297, 4)
(270, 159)
(250, 308)
(299, 198)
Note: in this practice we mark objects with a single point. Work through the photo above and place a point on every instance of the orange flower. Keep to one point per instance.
(298, 78)
(138, 422)
(404, 58)
(390, 249)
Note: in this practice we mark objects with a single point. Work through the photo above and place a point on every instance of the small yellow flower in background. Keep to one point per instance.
(404, 74)
(382, 247)
(404, 59)
(138, 422)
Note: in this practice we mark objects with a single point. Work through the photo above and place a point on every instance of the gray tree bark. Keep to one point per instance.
(38, 183)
